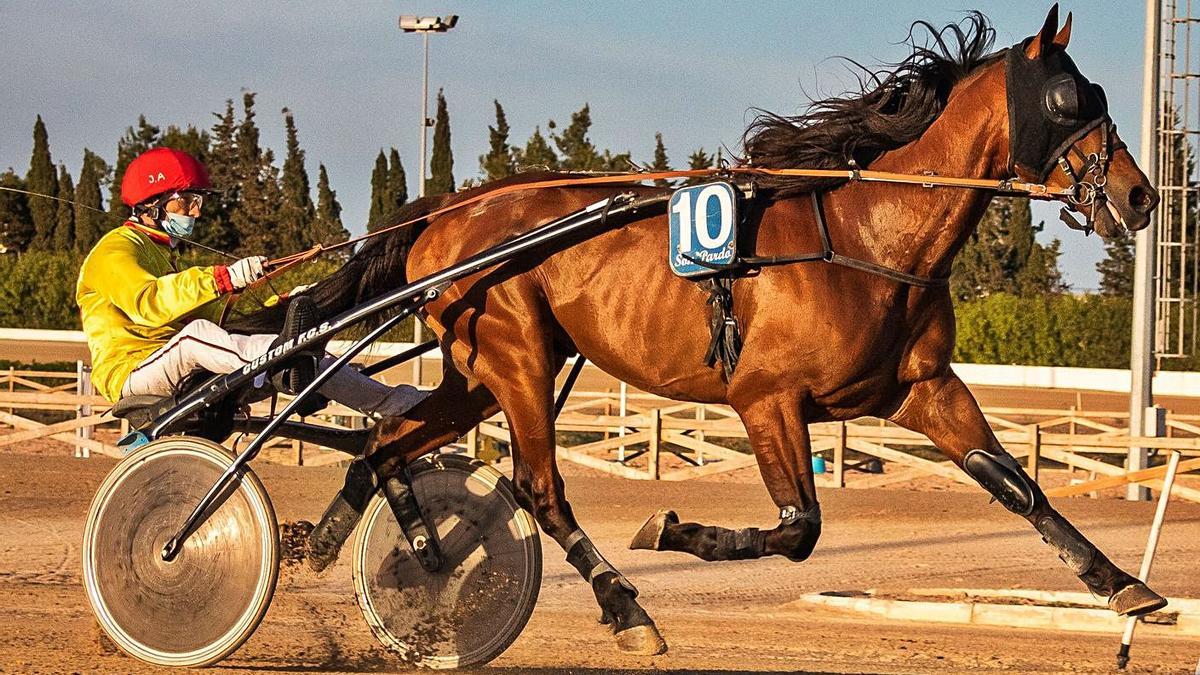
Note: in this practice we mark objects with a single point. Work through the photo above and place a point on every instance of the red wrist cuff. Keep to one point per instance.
(224, 283)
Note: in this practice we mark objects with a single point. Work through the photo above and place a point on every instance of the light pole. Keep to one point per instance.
(1141, 361)
(425, 25)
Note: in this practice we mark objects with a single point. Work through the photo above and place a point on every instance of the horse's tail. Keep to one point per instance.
(374, 269)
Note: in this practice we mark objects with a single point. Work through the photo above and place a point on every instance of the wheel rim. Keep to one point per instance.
(475, 607)
(204, 604)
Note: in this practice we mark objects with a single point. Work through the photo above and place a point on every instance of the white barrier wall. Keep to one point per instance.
(1166, 383)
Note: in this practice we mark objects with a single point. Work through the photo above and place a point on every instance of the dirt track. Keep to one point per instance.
(716, 617)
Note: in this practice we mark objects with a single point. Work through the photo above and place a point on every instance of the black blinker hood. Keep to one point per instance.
(1037, 135)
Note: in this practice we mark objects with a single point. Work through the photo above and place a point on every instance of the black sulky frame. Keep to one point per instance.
(408, 298)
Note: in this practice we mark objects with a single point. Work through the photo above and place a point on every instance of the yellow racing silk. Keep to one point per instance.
(133, 298)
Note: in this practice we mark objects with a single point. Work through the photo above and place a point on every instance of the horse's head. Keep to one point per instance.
(1060, 133)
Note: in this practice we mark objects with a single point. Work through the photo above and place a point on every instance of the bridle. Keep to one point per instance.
(1051, 109)
(1089, 181)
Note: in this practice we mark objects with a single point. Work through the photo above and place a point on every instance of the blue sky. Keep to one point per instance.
(689, 70)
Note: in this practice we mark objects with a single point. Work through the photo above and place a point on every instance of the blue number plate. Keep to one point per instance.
(703, 228)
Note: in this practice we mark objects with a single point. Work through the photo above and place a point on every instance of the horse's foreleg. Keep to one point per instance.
(779, 436)
(945, 411)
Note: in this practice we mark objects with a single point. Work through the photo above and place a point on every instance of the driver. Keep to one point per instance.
(150, 323)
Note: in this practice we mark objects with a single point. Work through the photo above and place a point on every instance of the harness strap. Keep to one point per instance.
(828, 255)
(725, 343)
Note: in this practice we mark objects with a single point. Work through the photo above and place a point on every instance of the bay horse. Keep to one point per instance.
(821, 342)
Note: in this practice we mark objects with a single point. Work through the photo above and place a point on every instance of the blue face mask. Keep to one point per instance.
(178, 225)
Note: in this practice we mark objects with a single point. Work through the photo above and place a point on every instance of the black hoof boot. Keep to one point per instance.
(632, 627)
(327, 537)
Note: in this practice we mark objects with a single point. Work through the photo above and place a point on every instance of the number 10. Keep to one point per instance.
(698, 222)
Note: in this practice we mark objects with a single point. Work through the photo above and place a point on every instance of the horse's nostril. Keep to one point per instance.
(1143, 200)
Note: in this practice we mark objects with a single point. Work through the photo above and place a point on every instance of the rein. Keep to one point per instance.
(853, 174)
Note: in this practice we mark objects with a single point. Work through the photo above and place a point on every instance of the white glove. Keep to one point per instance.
(246, 271)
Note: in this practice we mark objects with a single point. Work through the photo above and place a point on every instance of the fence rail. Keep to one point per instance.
(645, 437)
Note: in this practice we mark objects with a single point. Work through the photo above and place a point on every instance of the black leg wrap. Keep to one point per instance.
(711, 543)
(1072, 548)
(1003, 478)
(326, 539)
(583, 556)
(743, 544)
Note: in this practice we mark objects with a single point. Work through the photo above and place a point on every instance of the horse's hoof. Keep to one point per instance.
(1136, 599)
(644, 640)
(649, 537)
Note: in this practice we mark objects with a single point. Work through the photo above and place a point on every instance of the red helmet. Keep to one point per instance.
(161, 170)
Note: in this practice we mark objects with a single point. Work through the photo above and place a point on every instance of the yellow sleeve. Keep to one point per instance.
(115, 271)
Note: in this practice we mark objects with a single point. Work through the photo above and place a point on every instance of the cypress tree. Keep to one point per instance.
(298, 211)
(1116, 270)
(64, 221)
(1003, 256)
(216, 229)
(577, 151)
(256, 215)
(397, 184)
(16, 223)
(89, 224)
(498, 162)
(379, 193)
(327, 227)
(43, 180)
(134, 142)
(537, 153)
(661, 163)
(441, 160)
(700, 160)
(191, 140)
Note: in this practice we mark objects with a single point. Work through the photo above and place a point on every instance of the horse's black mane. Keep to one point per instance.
(893, 107)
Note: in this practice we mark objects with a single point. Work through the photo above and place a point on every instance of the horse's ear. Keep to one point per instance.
(1045, 37)
(1064, 35)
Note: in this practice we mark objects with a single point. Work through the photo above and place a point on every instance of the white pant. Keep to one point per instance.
(201, 345)
(204, 346)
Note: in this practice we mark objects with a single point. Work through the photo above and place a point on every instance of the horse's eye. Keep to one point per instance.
(1062, 97)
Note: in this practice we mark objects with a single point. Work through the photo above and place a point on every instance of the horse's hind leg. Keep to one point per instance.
(779, 436)
(945, 411)
(449, 412)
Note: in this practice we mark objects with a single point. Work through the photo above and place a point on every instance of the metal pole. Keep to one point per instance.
(424, 117)
(1141, 356)
(622, 411)
(1151, 546)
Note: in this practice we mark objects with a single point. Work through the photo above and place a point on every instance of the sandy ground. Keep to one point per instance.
(727, 617)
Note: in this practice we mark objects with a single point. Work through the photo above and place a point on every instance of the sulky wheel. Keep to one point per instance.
(204, 604)
(475, 606)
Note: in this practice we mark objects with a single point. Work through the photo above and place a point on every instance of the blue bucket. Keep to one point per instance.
(818, 463)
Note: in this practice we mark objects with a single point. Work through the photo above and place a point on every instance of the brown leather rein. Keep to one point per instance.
(1006, 186)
